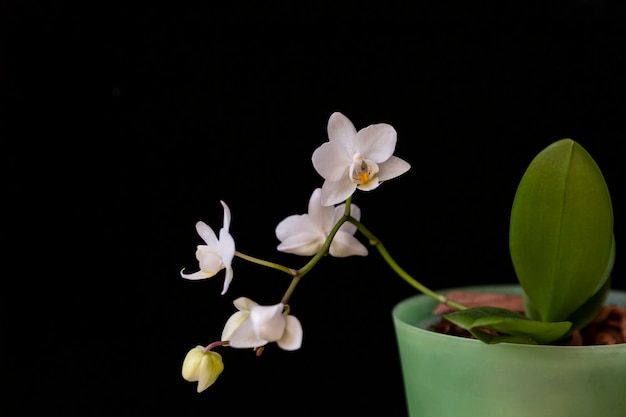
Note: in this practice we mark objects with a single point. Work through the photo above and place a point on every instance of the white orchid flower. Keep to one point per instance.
(217, 254)
(351, 159)
(244, 305)
(305, 234)
(267, 324)
(202, 366)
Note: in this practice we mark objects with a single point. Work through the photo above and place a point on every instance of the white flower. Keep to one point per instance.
(305, 234)
(217, 254)
(267, 324)
(244, 305)
(202, 366)
(352, 159)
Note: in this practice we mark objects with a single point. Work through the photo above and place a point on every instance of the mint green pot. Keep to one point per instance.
(447, 376)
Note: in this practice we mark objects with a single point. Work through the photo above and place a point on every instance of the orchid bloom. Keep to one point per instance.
(203, 366)
(267, 324)
(217, 254)
(305, 234)
(351, 159)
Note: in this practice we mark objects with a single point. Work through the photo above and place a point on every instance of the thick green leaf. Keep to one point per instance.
(561, 230)
(493, 339)
(514, 327)
(588, 311)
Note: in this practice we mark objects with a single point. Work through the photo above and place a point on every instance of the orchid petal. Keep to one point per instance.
(233, 323)
(303, 244)
(227, 216)
(322, 216)
(195, 276)
(377, 142)
(206, 233)
(268, 321)
(338, 191)
(226, 248)
(340, 128)
(292, 337)
(392, 167)
(370, 185)
(344, 245)
(295, 224)
(245, 337)
(244, 303)
(228, 277)
(305, 234)
(331, 160)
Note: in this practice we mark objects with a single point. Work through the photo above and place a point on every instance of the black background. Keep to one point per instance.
(125, 123)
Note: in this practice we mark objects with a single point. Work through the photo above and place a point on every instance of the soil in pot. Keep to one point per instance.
(608, 328)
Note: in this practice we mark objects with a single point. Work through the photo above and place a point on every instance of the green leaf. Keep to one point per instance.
(512, 327)
(492, 339)
(588, 311)
(584, 314)
(561, 230)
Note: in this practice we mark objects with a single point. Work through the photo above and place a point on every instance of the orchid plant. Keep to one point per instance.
(561, 243)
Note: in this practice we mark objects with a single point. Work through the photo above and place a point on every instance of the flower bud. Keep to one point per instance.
(202, 366)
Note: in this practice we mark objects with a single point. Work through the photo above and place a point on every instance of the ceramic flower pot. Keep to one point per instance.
(448, 376)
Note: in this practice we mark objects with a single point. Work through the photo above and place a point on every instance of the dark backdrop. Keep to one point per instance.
(128, 122)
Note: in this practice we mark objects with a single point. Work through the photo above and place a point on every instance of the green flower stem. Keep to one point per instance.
(313, 261)
(274, 265)
(297, 274)
(374, 241)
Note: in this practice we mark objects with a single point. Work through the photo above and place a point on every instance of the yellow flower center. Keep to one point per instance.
(363, 170)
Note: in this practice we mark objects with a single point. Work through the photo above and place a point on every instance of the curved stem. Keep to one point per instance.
(315, 259)
(374, 241)
(297, 274)
(216, 344)
(274, 265)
